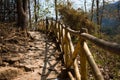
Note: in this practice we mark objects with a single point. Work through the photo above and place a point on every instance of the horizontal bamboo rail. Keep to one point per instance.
(63, 36)
(111, 47)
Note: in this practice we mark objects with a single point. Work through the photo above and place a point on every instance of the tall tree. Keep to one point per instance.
(38, 8)
(85, 5)
(92, 9)
(97, 12)
(118, 10)
(67, 2)
(29, 13)
(101, 17)
(56, 12)
(35, 10)
(22, 8)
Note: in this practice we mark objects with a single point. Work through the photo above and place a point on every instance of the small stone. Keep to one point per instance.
(39, 73)
(5, 64)
(28, 69)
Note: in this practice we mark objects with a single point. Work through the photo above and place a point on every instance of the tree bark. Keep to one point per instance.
(97, 12)
(29, 14)
(56, 12)
(35, 11)
(22, 7)
(92, 10)
(85, 5)
(101, 17)
(119, 11)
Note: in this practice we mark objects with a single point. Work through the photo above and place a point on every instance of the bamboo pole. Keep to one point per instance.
(111, 47)
(55, 29)
(77, 72)
(65, 55)
(70, 44)
(62, 38)
(66, 49)
(92, 63)
(64, 46)
(70, 75)
(67, 45)
(83, 61)
(51, 26)
(74, 55)
(78, 76)
(59, 31)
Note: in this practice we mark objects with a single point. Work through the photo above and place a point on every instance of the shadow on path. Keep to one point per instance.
(52, 65)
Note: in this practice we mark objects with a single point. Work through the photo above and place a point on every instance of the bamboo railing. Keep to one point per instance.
(63, 36)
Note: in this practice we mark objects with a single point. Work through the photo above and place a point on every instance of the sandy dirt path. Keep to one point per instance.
(41, 61)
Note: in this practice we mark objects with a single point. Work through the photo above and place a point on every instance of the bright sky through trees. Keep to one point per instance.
(49, 5)
(80, 3)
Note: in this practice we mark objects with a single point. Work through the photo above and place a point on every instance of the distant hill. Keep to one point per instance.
(111, 19)
(110, 13)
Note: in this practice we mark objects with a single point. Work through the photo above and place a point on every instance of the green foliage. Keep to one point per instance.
(116, 38)
(76, 19)
(112, 33)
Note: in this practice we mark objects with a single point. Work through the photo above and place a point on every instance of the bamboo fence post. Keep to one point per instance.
(76, 69)
(59, 31)
(63, 44)
(77, 72)
(51, 25)
(47, 24)
(92, 63)
(66, 49)
(74, 54)
(70, 75)
(43, 25)
(83, 59)
(54, 28)
(70, 44)
(62, 36)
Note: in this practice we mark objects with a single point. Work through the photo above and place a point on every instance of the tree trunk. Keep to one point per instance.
(29, 14)
(56, 12)
(97, 12)
(92, 10)
(101, 17)
(98, 18)
(22, 7)
(35, 10)
(19, 3)
(85, 5)
(119, 11)
(38, 8)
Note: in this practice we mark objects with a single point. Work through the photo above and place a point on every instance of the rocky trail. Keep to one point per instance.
(41, 61)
